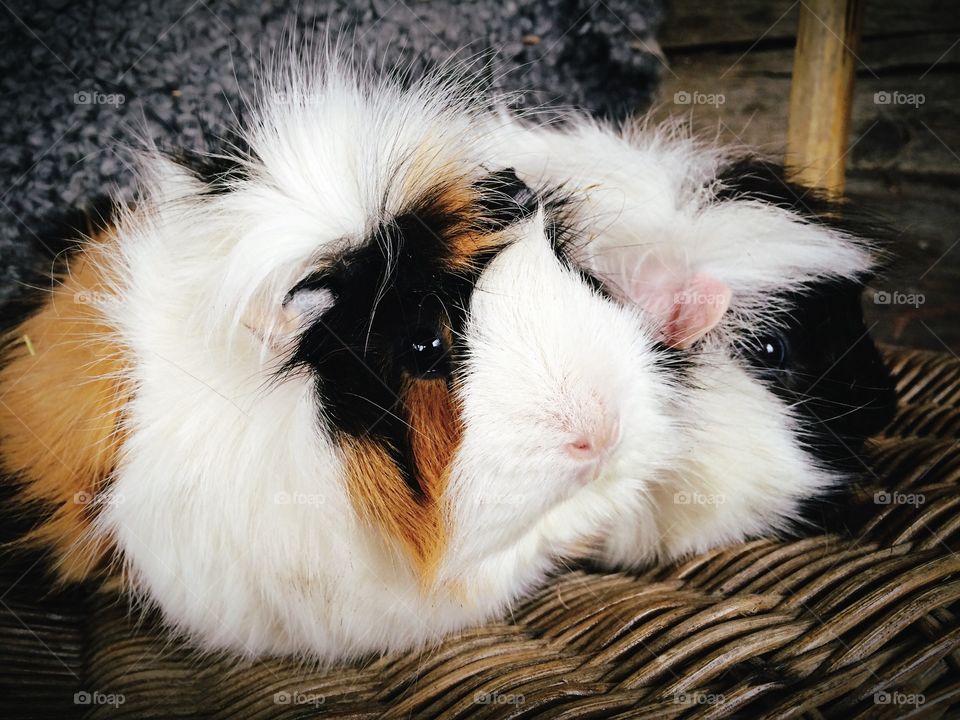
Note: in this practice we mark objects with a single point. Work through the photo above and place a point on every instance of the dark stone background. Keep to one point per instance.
(177, 66)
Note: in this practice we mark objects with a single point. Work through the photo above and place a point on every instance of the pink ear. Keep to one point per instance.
(276, 326)
(695, 310)
(685, 307)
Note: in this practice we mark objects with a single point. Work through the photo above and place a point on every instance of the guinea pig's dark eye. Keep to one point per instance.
(772, 350)
(424, 352)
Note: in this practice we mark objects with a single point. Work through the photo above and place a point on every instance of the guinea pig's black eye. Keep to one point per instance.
(772, 350)
(424, 352)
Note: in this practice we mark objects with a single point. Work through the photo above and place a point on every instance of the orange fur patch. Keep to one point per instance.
(463, 240)
(458, 199)
(61, 398)
(469, 245)
(415, 520)
(435, 431)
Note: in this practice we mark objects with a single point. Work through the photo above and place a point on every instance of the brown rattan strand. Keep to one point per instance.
(861, 623)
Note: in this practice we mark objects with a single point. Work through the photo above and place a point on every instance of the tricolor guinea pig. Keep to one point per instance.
(760, 281)
(338, 393)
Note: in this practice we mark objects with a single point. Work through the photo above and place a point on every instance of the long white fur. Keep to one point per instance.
(645, 197)
(646, 192)
(230, 504)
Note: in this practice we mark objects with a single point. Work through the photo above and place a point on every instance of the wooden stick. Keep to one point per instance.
(821, 92)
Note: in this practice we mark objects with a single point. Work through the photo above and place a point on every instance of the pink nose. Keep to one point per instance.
(596, 443)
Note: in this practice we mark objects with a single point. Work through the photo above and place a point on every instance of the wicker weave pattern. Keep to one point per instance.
(823, 626)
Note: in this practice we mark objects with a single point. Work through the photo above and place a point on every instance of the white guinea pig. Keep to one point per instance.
(350, 389)
(761, 281)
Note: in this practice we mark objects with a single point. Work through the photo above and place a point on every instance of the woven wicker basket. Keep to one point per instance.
(818, 627)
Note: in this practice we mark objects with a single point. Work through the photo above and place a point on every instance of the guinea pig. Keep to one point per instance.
(355, 383)
(335, 393)
(760, 281)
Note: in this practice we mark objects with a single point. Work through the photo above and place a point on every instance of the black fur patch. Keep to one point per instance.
(834, 377)
(677, 361)
(822, 360)
(829, 368)
(392, 293)
(504, 200)
(225, 160)
(567, 244)
(217, 172)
